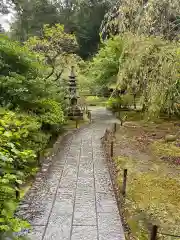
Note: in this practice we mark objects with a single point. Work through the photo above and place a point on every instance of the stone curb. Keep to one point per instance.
(109, 135)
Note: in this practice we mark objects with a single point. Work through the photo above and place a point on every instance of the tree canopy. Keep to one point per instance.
(153, 17)
(83, 18)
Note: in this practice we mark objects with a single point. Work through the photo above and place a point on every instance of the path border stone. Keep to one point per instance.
(114, 175)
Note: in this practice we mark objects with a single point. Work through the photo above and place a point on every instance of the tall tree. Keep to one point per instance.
(31, 16)
(83, 18)
(55, 46)
(88, 21)
(149, 17)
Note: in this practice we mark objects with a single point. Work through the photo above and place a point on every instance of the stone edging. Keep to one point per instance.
(106, 142)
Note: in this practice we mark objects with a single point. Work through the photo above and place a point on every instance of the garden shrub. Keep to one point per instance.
(150, 69)
(104, 67)
(21, 140)
(118, 103)
(127, 100)
(16, 163)
(30, 114)
(50, 114)
(114, 104)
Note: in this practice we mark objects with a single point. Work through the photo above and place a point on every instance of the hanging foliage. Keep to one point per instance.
(151, 68)
(153, 17)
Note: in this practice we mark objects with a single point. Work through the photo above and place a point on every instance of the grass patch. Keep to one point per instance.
(153, 176)
(131, 115)
(165, 149)
(96, 101)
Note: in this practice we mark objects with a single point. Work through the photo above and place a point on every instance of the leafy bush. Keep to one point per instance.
(21, 75)
(30, 115)
(114, 104)
(123, 101)
(127, 100)
(105, 65)
(50, 111)
(16, 163)
(151, 66)
(14, 58)
(21, 139)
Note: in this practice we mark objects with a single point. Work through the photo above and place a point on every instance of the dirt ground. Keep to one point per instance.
(153, 176)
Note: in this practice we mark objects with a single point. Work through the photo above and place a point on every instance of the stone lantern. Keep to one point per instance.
(74, 110)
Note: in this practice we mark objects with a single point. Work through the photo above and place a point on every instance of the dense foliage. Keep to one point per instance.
(18, 161)
(83, 18)
(151, 70)
(31, 112)
(55, 47)
(153, 17)
(104, 67)
(148, 69)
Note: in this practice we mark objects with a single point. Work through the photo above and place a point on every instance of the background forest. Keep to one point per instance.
(128, 51)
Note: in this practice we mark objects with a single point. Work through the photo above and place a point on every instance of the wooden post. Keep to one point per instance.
(90, 116)
(39, 158)
(17, 191)
(124, 183)
(115, 127)
(112, 149)
(154, 232)
(76, 123)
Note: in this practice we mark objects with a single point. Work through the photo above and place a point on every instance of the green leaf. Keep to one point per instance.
(19, 181)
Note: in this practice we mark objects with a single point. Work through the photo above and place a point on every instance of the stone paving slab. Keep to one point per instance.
(84, 233)
(37, 232)
(106, 202)
(88, 219)
(72, 198)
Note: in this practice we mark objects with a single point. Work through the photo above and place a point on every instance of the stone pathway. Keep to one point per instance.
(72, 198)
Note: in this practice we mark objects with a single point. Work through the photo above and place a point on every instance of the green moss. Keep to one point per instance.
(165, 149)
(152, 198)
(132, 115)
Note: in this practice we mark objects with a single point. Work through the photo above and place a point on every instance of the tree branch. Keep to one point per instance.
(58, 75)
(51, 73)
(52, 65)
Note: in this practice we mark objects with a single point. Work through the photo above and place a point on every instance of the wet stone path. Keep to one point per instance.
(72, 197)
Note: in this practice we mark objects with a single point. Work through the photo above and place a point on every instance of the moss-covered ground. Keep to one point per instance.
(153, 175)
(96, 101)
